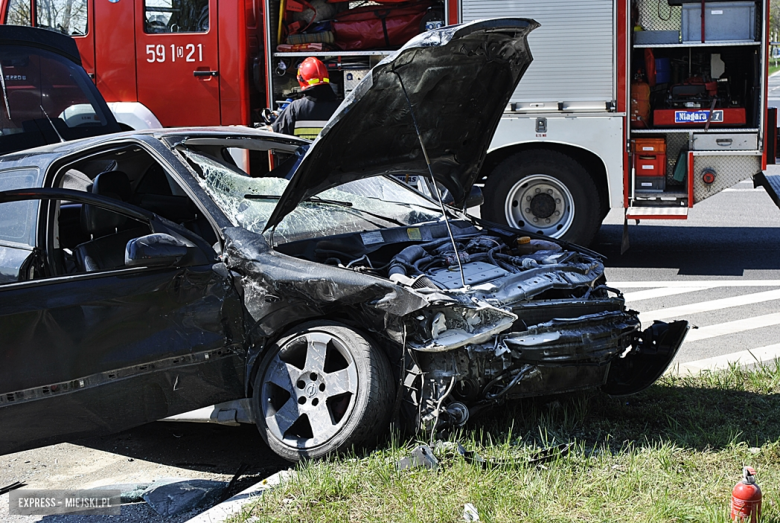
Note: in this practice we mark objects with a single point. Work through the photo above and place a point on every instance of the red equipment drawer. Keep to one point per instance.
(651, 165)
(649, 146)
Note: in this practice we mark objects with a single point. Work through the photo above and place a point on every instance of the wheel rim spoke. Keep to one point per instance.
(316, 351)
(341, 381)
(282, 374)
(322, 425)
(284, 418)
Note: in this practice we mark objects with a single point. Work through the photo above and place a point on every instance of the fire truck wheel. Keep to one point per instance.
(545, 192)
(321, 389)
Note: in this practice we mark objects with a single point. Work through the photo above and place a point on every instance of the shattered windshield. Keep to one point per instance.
(363, 205)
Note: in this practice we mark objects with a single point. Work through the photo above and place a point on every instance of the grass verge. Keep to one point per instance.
(671, 453)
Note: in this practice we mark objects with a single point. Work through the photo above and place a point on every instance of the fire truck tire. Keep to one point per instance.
(545, 192)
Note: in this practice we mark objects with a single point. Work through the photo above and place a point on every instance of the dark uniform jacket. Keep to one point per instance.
(306, 116)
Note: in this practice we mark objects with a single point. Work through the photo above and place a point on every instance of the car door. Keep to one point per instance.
(98, 352)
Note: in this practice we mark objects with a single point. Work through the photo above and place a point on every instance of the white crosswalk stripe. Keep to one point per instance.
(732, 327)
(660, 293)
(709, 284)
(745, 357)
(654, 292)
(712, 305)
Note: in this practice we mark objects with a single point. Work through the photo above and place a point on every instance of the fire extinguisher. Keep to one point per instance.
(746, 498)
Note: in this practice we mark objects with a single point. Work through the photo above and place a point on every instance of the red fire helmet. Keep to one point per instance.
(312, 72)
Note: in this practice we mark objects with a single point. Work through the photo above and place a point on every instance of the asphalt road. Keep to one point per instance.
(720, 269)
(773, 100)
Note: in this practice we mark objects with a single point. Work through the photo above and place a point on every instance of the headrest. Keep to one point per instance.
(114, 184)
(97, 221)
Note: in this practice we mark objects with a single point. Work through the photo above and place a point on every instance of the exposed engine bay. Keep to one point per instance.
(524, 317)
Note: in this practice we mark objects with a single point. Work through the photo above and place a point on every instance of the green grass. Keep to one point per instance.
(773, 68)
(671, 453)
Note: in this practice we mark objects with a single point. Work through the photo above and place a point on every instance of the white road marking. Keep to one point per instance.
(659, 293)
(746, 357)
(694, 283)
(713, 305)
(732, 327)
(660, 289)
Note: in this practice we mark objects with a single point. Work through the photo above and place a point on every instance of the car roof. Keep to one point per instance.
(183, 132)
(41, 157)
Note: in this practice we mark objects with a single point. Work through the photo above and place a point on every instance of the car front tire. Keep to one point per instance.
(321, 389)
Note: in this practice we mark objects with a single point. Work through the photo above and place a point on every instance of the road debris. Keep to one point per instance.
(470, 513)
(421, 456)
(169, 497)
(239, 472)
(537, 459)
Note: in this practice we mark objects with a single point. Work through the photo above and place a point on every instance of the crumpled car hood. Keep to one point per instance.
(458, 80)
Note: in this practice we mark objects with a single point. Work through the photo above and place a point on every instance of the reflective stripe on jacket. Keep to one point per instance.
(308, 128)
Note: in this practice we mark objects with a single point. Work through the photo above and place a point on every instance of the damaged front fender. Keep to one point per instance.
(641, 367)
(280, 290)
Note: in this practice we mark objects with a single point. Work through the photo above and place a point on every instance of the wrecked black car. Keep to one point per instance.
(143, 275)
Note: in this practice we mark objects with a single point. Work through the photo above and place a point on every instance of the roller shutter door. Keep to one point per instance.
(573, 50)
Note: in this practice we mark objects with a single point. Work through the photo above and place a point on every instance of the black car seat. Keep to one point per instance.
(106, 249)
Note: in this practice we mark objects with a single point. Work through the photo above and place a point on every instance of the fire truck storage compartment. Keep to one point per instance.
(694, 85)
(574, 52)
(706, 86)
(350, 37)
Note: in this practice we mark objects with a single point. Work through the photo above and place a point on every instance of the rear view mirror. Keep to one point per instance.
(475, 198)
(154, 250)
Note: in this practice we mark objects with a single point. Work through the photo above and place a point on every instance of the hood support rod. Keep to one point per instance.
(434, 188)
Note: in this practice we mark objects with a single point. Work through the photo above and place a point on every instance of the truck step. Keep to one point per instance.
(657, 213)
(771, 183)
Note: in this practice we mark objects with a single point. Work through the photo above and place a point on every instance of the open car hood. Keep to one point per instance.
(458, 80)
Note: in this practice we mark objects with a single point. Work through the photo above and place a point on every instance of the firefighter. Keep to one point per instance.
(306, 116)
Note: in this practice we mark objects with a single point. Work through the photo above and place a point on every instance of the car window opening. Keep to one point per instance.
(88, 238)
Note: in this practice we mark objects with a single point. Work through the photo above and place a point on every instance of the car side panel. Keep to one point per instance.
(98, 353)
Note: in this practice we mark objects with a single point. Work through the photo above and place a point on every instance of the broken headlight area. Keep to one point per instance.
(444, 328)
(524, 324)
(557, 356)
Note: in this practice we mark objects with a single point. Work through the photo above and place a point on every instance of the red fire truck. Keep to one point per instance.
(647, 105)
